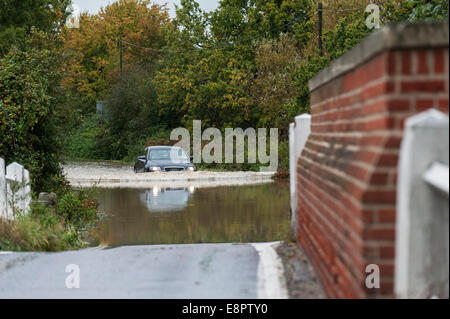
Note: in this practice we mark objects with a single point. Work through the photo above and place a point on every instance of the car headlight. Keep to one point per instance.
(191, 169)
(156, 191)
(155, 169)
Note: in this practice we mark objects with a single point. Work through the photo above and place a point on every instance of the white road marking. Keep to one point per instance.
(271, 280)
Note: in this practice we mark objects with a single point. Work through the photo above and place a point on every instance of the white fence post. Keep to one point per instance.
(3, 209)
(298, 136)
(422, 244)
(14, 175)
(27, 191)
(19, 195)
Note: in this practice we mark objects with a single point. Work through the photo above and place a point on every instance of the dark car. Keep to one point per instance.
(164, 159)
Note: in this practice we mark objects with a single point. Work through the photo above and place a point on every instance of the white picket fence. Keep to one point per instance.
(422, 245)
(298, 136)
(15, 190)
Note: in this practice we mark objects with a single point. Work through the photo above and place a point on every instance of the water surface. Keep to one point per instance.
(256, 213)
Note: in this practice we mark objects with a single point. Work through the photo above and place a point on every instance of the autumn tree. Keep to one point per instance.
(213, 57)
(246, 64)
(273, 88)
(92, 50)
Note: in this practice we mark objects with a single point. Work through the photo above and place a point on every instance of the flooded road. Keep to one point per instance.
(168, 236)
(114, 175)
(253, 213)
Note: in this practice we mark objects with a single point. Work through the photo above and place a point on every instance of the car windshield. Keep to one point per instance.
(168, 154)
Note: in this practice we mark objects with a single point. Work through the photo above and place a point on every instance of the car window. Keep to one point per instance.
(160, 155)
(167, 155)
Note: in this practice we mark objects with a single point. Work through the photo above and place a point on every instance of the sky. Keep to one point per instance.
(94, 5)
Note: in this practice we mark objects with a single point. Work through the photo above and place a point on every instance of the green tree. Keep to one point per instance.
(246, 64)
(133, 113)
(18, 18)
(428, 10)
(273, 88)
(29, 83)
(209, 71)
(239, 21)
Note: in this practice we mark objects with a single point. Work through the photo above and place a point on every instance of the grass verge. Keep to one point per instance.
(50, 229)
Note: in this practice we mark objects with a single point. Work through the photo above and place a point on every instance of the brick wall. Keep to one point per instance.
(347, 173)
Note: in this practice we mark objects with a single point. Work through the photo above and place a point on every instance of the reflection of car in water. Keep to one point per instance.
(166, 199)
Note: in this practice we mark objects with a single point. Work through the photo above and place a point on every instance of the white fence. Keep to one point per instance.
(15, 190)
(298, 136)
(422, 245)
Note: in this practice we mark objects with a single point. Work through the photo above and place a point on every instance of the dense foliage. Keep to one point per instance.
(29, 93)
(19, 18)
(92, 50)
(33, 114)
(246, 64)
(64, 227)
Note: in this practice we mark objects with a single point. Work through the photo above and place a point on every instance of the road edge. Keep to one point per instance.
(271, 279)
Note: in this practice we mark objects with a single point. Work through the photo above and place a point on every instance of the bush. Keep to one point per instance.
(283, 160)
(47, 229)
(136, 148)
(28, 95)
(133, 112)
(82, 142)
(32, 233)
(78, 209)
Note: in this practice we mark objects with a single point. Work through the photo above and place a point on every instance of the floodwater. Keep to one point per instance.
(256, 213)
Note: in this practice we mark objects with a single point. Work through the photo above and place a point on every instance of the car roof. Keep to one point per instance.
(161, 147)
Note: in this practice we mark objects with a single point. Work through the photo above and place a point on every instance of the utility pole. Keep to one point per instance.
(320, 24)
(121, 55)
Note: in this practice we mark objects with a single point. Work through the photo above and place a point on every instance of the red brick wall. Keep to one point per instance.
(347, 173)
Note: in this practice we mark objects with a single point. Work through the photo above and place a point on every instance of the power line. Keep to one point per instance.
(139, 47)
(224, 46)
(380, 3)
(249, 39)
(321, 10)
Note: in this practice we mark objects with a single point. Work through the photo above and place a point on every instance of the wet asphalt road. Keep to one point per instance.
(210, 271)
